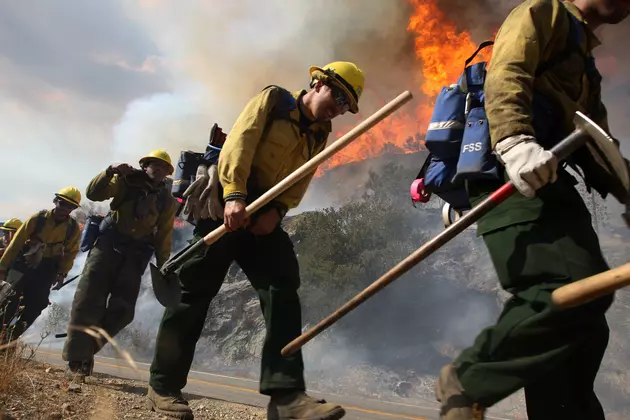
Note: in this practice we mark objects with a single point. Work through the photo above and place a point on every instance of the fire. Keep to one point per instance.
(440, 52)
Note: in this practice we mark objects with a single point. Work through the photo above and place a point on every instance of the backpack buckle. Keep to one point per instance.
(450, 215)
(418, 192)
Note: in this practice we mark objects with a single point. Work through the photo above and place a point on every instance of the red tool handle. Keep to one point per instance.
(562, 150)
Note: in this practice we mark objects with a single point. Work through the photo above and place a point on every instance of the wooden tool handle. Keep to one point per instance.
(569, 144)
(591, 288)
(313, 163)
(178, 259)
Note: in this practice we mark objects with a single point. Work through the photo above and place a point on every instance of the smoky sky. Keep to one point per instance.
(73, 45)
(86, 84)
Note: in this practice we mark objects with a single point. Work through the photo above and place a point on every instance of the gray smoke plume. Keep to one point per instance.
(129, 77)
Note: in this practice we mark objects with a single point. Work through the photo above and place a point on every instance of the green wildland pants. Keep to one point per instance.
(271, 266)
(106, 294)
(537, 245)
(31, 296)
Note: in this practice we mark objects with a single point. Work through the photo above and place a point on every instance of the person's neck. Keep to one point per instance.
(150, 182)
(588, 13)
(305, 106)
(58, 217)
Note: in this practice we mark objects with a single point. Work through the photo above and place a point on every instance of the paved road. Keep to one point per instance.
(245, 391)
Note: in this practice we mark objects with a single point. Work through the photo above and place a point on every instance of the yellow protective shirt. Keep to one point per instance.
(261, 155)
(534, 32)
(53, 234)
(124, 211)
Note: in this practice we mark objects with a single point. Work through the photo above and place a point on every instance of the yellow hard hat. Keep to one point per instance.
(70, 194)
(11, 225)
(347, 76)
(160, 155)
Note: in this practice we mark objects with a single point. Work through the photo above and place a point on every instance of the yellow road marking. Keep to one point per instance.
(238, 388)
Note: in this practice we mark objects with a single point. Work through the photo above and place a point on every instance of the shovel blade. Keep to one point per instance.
(166, 288)
(14, 277)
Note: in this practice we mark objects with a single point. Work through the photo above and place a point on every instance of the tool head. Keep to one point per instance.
(165, 287)
(605, 151)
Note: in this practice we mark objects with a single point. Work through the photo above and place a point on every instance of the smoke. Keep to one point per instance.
(220, 54)
(168, 71)
(158, 74)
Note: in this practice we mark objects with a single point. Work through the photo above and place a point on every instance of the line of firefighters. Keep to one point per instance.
(535, 244)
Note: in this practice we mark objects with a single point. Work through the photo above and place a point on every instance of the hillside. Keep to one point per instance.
(402, 336)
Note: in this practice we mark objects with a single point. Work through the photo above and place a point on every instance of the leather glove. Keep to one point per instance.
(528, 164)
(193, 193)
(35, 253)
(209, 201)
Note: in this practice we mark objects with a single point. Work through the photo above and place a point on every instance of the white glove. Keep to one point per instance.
(193, 192)
(528, 165)
(209, 201)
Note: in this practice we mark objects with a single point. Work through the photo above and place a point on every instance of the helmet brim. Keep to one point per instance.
(67, 199)
(354, 106)
(150, 158)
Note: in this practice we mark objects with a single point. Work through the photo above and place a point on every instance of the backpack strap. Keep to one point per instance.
(41, 222)
(73, 226)
(163, 196)
(479, 48)
(463, 81)
(286, 103)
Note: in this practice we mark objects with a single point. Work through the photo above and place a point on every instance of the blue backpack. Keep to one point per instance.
(458, 136)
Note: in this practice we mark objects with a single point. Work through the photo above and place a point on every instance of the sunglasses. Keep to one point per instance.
(340, 97)
(65, 204)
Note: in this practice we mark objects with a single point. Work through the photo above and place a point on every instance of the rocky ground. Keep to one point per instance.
(37, 391)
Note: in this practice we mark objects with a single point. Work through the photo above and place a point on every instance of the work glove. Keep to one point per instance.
(193, 192)
(33, 256)
(202, 196)
(528, 164)
(209, 200)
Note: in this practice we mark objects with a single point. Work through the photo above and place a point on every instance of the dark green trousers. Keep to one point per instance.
(106, 294)
(31, 296)
(272, 269)
(553, 354)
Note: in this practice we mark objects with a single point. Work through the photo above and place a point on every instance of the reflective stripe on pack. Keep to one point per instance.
(445, 125)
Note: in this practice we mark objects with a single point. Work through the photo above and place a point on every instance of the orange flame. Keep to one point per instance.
(440, 52)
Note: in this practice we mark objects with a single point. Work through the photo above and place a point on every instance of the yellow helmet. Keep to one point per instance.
(347, 76)
(70, 194)
(11, 225)
(160, 155)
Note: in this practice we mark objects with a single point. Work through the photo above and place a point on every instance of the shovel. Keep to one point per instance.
(165, 282)
(586, 130)
(60, 285)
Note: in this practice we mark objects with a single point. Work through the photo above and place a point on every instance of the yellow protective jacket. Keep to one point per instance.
(124, 210)
(260, 155)
(534, 32)
(53, 234)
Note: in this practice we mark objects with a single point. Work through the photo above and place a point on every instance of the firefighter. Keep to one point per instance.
(8, 230)
(40, 255)
(277, 132)
(542, 237)
(139, 224)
